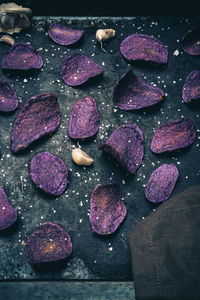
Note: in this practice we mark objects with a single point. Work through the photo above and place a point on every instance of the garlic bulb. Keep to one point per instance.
(14, 18)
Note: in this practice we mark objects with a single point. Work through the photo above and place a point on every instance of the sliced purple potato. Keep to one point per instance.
(161, 183)
(144, 47)
(132, 93)
(191, 41)
(49, 173)
(107, 210)
(191, 87)
(84, 119)
(126, 145)
(22, 57)
(63, 35)
(78, 68)
(38, 116)
(8, 214)
(49, 243)
(8, 97)
(173, 135)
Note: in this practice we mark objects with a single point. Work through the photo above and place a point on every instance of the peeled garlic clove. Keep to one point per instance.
(81, 158)
(103, 35)
(7, 39)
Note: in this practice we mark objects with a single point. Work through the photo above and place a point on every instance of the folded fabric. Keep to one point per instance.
(165, 249)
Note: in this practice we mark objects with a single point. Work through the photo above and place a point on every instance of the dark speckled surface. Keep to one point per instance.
(94, 257)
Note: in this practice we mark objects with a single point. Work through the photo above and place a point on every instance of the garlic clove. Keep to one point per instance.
(81, 158)
(7, 39)
(103, 35)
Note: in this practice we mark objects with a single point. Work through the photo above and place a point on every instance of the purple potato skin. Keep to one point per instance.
(132, 93)
(126, 145)
(191, 41)
(38, 116)
(49, 173)
(8, 214)
(191, 87)
(173, 135)
(161, 183)
(49, 243)
(8, 97)
(22, 57)
(63, 35)
(78, 68)
(84, 119)
(144, 47)
(107, 210)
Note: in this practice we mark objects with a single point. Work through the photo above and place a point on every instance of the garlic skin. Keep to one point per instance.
(14, 18)
(7, 39)
(81, 158)
(103, 35)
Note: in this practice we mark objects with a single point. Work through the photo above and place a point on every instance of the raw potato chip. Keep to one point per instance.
(8, 214)
(84, 119)
(161, 183)
(131, 92)
(191, 41)
(78, 68)
(173, 135)
(126, 145)
(8, 97)
(49, 243)
(107, 210)
(63, 35)
(22, 57)
(49, 173)
(144, 47)
(38, 116)
(191, 87)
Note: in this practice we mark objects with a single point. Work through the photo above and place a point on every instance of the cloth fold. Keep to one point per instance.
(165, 250)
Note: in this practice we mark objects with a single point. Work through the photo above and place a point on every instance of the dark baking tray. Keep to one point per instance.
(94, 257)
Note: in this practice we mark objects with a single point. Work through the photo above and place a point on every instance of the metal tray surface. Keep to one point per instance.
(94, 257)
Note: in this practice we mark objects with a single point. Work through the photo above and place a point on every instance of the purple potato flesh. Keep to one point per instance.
(161, 183)
(49, 173)
(173, 135)
(8, 97)
(191, 87)
(131, 92)
(126, 145)
(21, 57)
(107, 210)
(78, 68)
(8, 214)
(63, 35)
(38, 116)
(144, 47)
(49, 243)
(84, 119)
(191, 41)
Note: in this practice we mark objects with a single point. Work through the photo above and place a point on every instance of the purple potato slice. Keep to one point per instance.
(144, 47)
(161, 183)
(8, 97)
(107, 210)
(173, 135)
(49, 173)
(84, 119)
(8, 214)
(191, 87)
(131, 93)
(22, 57)
(78, 68)
(63, 35)
(49, 243)
(38, 116)
(126, 145)
(191, 41)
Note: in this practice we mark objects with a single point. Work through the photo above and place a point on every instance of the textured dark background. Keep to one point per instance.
(94, 257)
